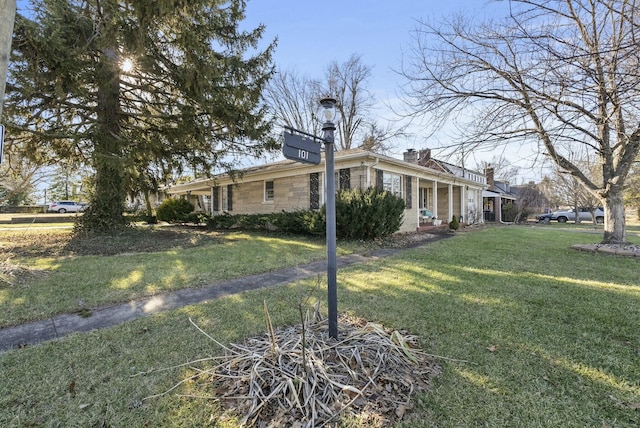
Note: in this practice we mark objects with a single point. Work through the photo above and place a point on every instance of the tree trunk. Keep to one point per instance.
(105, 212)
(7, 17)
(614, 220)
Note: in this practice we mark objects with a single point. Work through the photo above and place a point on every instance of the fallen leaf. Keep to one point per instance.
(83, 406)
(493, 348)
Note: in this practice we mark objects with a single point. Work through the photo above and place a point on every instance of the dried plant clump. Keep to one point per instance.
(11, 273)
(369, 375)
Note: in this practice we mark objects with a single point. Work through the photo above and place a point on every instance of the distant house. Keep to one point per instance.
(495, 197)
(430, 190)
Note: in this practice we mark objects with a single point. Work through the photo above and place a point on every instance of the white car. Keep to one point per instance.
(67, 207)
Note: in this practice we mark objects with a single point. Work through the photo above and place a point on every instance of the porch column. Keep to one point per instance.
(435, 199)
(464, 212)
(450, 202)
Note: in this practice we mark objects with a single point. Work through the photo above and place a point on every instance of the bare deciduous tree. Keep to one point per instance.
(295, 103)
(294, 100)
(347, 82)
(560, 72)
(529, 198)
(502, 168)
(570, 191)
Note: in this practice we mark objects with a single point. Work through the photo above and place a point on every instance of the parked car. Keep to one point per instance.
(67, 207)
(546, 218)
(570, 215)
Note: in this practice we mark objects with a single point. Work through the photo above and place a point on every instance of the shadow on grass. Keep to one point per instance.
(542, 350)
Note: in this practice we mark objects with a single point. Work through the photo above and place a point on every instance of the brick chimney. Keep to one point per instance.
(411, 156)
(424, 157)
(488, 172)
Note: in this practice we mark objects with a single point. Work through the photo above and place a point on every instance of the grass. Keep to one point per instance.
(67, 283)
(534, 335)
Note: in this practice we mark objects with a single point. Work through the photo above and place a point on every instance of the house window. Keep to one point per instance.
(392, 183)
(227, 197)
(268, 191)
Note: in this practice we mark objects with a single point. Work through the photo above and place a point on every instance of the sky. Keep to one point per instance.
(311, 35)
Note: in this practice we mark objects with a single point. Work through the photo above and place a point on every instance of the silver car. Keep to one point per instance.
(585, 215)
(66, 207)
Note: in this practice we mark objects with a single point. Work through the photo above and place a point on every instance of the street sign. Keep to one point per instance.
(301, 149)
(1, 142)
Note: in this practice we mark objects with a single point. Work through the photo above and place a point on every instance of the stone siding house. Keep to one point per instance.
(430, 191)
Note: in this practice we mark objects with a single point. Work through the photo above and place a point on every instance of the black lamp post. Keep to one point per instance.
(328, 127)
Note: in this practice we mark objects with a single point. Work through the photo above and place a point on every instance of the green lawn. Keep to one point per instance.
(65, 284)
(549, 336)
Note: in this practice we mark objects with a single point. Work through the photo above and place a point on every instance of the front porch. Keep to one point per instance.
(429, 227)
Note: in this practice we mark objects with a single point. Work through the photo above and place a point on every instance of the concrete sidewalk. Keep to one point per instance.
(61, 325)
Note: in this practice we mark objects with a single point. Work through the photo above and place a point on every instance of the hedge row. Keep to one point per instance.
(360, 214)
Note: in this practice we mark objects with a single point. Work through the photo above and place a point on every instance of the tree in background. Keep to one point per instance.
(19, 178)
(567, 190)
(503, 170)
(529, 199)
(133, 88)
(558, 72)
(295, 104)
(347, 82)
(294, 100)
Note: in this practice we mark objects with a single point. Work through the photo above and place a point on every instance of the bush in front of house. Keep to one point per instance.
(300, 222)
(360, 214)
(454, 224)
(175, 210)
(367, 214)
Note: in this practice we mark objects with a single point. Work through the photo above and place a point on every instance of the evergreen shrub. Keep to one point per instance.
(454, 224)
(174, 210)
(368, 214)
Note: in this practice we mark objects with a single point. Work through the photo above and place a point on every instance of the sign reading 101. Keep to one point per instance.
(301, 149)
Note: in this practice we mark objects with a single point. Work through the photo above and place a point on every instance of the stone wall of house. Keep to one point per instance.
(290, 193)
(359, 178)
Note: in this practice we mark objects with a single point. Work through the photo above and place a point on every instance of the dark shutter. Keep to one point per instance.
(379, 179)
(345, 179)
(229, 197)
(314, 191)
(216, 198)
(407, 187)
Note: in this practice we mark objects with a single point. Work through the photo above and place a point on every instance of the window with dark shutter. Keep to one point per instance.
(314, 191)
(345, 179)
(229, 197)
(407, 187)
(216, 198)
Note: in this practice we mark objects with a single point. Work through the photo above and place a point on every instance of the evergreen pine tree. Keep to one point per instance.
(137, 90)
